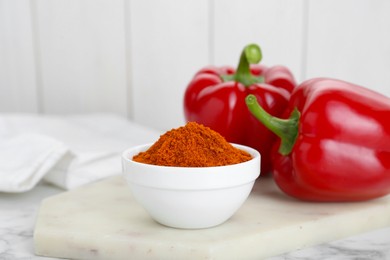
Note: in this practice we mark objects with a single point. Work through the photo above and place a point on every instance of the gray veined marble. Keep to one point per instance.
(103, 221)
(17, 220)
(371, 245)
(18, 215)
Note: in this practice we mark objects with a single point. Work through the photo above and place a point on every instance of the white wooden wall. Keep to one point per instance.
(135, 57)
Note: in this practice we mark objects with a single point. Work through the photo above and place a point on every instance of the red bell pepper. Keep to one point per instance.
(216, 98)
(335, 146)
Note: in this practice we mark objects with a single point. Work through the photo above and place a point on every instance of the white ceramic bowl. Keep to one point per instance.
(190, 197)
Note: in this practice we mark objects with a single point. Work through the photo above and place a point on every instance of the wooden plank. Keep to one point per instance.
(350, 40)
(17, 65)
(82, 47)
(277, 26)
(169, 43)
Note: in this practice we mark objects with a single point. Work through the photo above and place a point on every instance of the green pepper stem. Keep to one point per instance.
(285, 129)
(250, 55)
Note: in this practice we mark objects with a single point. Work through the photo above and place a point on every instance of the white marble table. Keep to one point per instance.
(18, 211)
(18, 215)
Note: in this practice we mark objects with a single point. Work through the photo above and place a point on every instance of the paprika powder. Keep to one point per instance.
(192, 145)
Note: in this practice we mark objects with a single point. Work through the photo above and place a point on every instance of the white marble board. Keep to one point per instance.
(102, 221)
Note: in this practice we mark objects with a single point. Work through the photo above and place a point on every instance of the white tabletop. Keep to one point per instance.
(18, 215)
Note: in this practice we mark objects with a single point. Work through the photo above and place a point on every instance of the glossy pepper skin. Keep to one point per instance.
(216, 98)
(336, 144)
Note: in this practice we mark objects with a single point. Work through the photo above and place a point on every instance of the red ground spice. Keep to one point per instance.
(192, 145)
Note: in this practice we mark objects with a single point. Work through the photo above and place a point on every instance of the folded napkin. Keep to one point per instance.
(26, 158)
(67, 151)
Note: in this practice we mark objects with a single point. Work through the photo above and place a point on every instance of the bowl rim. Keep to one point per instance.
(253, 152)
(190, 178)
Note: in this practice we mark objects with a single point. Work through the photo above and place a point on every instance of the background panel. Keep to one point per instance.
(82, 48)
(350, 40)
(18, 86)
(169, 44)
(277, 26)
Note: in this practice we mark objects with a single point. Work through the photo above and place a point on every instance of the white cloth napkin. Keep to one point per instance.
(67, 151)
(26, 158)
